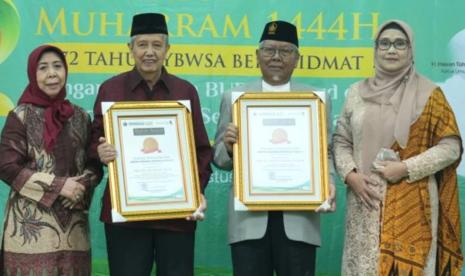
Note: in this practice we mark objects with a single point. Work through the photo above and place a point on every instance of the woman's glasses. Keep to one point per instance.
(399, 44)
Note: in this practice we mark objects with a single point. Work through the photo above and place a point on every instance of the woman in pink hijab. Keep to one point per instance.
(397, 146)
(43, 148)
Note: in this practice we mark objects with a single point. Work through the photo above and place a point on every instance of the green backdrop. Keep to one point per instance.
(213, 46)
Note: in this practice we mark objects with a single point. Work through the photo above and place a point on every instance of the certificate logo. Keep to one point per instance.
(150, 145)
(279, 136)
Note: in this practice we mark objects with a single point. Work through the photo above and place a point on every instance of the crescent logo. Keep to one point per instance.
(9, 28)
(5, 105)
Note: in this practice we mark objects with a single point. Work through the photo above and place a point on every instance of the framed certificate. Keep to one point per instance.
(155, 173)
(281, 157)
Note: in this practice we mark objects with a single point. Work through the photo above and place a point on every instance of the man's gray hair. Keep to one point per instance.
(165, 38)
(296, 49)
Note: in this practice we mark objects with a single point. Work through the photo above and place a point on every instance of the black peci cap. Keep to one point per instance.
(280, 31)
(149, 23)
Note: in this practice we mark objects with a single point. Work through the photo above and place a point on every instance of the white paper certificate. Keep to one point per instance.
(279, 150)
(153, 169)
(154, 175)
(280, 159)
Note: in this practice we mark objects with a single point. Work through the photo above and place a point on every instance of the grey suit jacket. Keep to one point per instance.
(301, 226)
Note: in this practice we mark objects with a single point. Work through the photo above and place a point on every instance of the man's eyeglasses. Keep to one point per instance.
(399, 44)
(270, 51)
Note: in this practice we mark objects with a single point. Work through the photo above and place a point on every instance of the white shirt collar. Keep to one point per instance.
(266, 87)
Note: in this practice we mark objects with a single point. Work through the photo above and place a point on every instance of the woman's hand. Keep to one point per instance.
(392, 171)
(72, 189)
(362, 186)
(67, 203)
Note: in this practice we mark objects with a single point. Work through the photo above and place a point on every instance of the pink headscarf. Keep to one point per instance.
(57, 110)
(395, 100)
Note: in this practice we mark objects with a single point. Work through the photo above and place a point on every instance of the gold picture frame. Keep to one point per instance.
(281, 155)
(155, 174)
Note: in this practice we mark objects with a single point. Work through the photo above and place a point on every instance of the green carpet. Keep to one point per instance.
(100, 268)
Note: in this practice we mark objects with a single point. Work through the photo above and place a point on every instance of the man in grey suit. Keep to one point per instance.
(281, 241)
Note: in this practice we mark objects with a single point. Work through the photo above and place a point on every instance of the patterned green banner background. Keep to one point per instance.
(213, 46)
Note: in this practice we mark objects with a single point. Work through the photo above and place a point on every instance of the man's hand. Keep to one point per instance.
(392, 171)
(361, 184)
(330, 204)
(199, 214)
(230, 137)
(106, 152)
